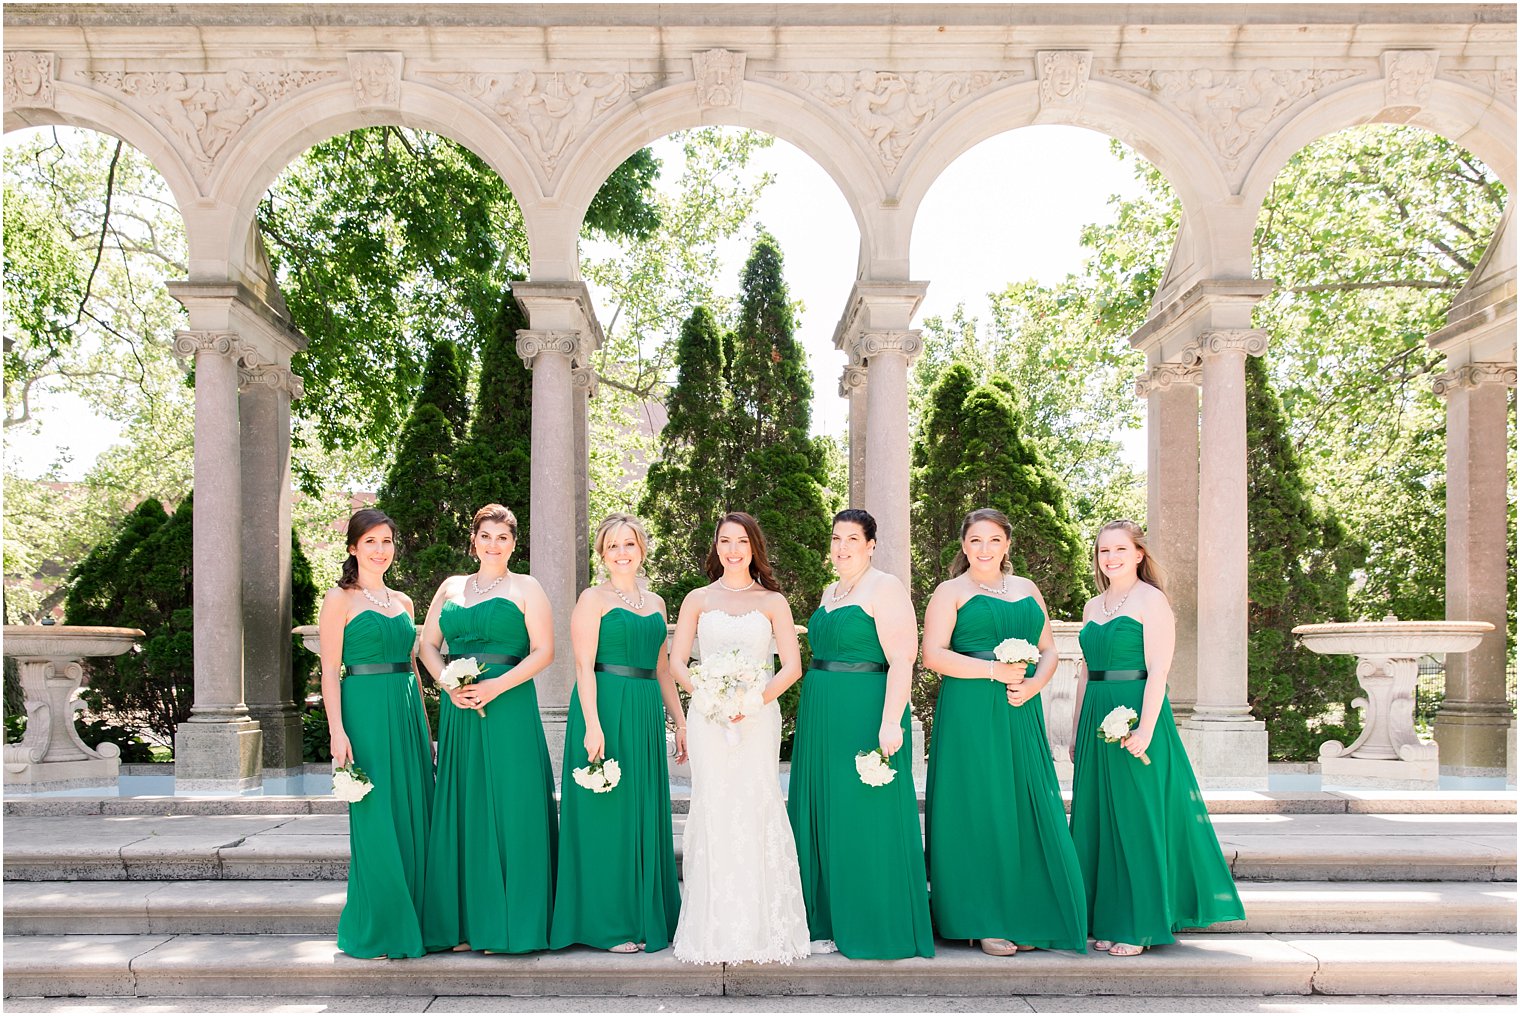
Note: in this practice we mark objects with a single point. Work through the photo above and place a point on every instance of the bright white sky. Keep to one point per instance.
(1010, 209)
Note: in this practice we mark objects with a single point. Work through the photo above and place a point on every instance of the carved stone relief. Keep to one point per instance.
(28, 80)
(377, 79)
(206, 111)
(1474, 375)
(888, 108)
(549, 112)
(1063, 76)
(1232, 108)
(1407, 74)
(720, 78)
(1499, 82)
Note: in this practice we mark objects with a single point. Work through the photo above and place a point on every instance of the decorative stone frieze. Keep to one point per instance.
(1251, 341)
(272, 375)
(853, 379)
(531, 343)
(1407, 76)
(892, 109)
(1499, 82)
(205, 111)
(187, 344)
(1063, 75)
(1164, 375)
(1474, 375)
(28, 80)
(1232, 109)
(377, 79)
(548, 112)
(720, 78)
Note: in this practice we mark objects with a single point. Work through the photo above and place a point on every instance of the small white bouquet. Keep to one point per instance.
(874, 769)
(600, 776)
(1117, 725)
(459, 673)
(350, 783)
(1017, 651)
(725, 685)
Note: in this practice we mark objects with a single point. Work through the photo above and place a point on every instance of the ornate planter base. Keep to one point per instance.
(1347, 772)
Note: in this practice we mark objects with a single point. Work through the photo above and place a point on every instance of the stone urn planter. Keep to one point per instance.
(1388, 753)
(53, 756)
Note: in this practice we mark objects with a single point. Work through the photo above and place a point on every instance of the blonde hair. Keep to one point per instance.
(491, 513)
(961, 562)
(1149, 569)
(615, 521)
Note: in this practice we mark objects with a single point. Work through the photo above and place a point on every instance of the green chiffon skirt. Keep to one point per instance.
(860, 848)
(617, 861)
(388, 830)
(1150, 859)
(490, 864)
(1001, 861)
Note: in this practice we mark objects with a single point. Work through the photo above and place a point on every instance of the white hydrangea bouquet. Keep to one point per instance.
(874, 768)
(459, 673)
(725, 685)
(1017, 651)
(1117, 725)
(350, 783)
(600, 776)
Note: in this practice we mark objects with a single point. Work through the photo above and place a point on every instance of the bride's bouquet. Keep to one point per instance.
(725, 685)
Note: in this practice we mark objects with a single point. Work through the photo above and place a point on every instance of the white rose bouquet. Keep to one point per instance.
(1017, 651)
(600, 776)
(459, 673)
(1117, 725)
(874, 769)
(350, 783)
(725, 685)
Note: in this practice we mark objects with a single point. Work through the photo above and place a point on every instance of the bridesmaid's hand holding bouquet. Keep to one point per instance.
(1116, 727)
(458, 674)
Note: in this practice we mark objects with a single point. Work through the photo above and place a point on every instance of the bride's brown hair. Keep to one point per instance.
(759, 560)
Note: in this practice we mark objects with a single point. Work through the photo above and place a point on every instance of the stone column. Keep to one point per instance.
(273, 700)
(1171, 516)
(583, 378)
(218, 749)
(1474, 719)
(886, 480)
(1227, 745)
(852, 386)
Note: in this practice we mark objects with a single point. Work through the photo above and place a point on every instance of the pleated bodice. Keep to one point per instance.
(373, 637)
(983, 622)
(845, 635)
(494, 626)
(1113, 645)
(630, 640)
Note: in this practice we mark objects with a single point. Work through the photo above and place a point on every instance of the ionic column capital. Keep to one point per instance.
(189, 344)
(1164, 375)
(908, 342)
(584, 377)
(1250, 341)
(852, 380)
(532, 343)
(272, 375)
(1474, 375)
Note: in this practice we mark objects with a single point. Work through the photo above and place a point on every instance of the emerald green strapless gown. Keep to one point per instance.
(860, 848)
(388, 830)
(1001, 861)
(490, 861)
(1149, 855)
(617, 860)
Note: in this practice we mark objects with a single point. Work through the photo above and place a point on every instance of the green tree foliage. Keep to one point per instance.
(1301, 564)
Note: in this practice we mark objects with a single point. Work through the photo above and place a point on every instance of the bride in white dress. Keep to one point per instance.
(742, 895)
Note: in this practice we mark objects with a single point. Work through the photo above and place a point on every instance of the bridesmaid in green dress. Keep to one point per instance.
(490, 859)
(617, 865)
(1001, 864)
(375, 717)
(1149, 855)
(859, 847)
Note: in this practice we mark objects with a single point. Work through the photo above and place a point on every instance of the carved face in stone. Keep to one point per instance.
(1064, 74)
(26, 74)
(375, 77)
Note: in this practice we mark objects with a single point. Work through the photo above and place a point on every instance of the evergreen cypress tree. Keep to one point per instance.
(782, 476)
(421, 491)
(492, 464)
(443, 385)
(1301, 561)
(688, 486)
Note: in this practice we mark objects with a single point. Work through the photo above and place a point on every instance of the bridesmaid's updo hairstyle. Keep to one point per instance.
(759, 559)
(616, 521)
(961, 563)
(491, 513)
(1149, 570)
(359, 523)
(862, 518)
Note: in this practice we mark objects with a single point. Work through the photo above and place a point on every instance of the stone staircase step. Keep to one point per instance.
(275, 965)
(311, 907)
(1352, 847)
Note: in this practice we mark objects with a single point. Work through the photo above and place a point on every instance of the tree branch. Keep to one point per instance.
(105, 225)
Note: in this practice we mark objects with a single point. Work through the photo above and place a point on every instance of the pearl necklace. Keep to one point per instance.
(638, 607)
(1103, 602)
(479, 592)
(741, 589)
(1000, 590)
(835, 597)
(382, 604)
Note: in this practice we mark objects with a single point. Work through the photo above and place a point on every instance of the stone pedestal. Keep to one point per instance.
(1059, 697)
(920, 755)
(218, 756)
(1226, 754)
(1509, 757)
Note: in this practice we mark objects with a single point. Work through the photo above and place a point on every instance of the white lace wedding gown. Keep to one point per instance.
(742, 897)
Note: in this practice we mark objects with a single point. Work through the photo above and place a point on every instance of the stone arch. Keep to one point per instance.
(293, 126)
(1113, 110)
(1469, 117)
(763, 107)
